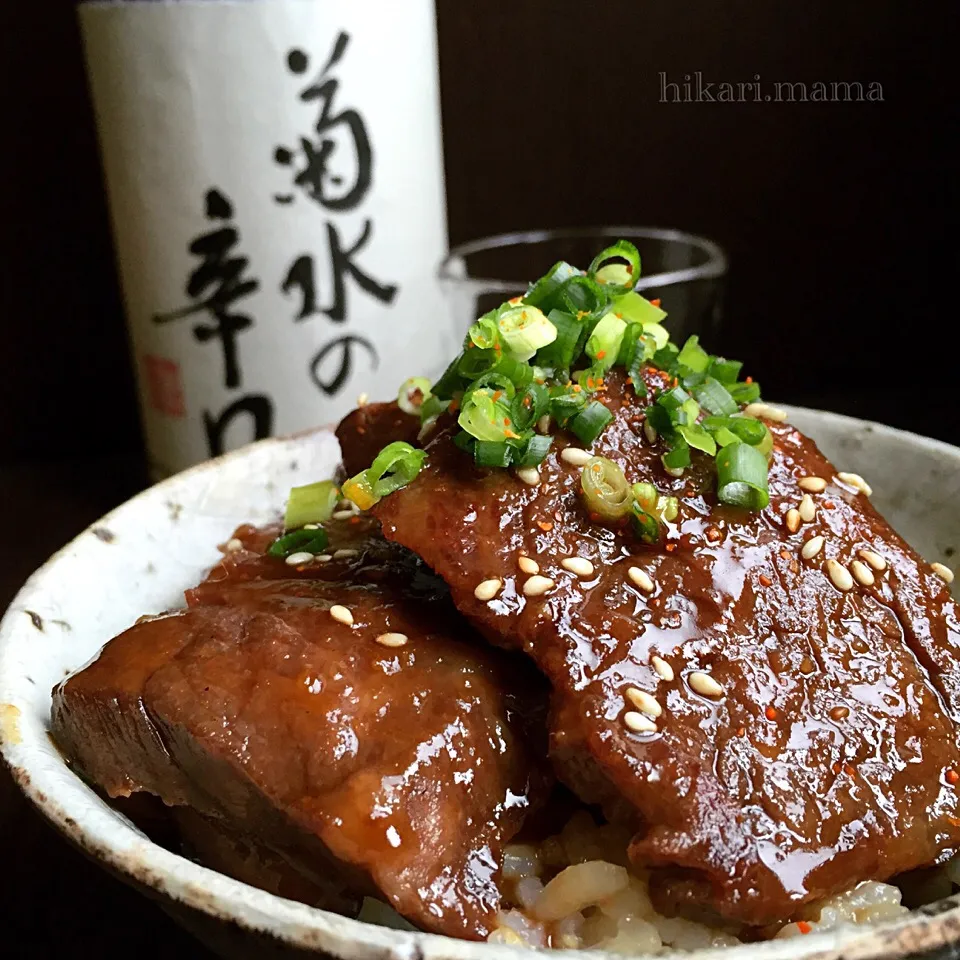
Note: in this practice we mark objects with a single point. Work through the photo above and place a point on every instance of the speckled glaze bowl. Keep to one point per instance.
(139, 558)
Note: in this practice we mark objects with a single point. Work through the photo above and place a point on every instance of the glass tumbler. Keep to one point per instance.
(685, 271)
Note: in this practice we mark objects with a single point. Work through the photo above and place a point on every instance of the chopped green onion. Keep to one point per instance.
(483, 417)
(646, 496)
(312, 503)
(726, 371)
(765, 446)
(485, 332)
(645, 525)
(697, 437)
(590, 422)
(617, 277)
(394, 467)
(745, 392)
(299, 541)
(693, 355)
(714, 397)
(603, 345)
(487, 453)
(535, 451)
(724, 436)
(636, 309)
(545, 292)
(560, 354)
(450, 380)
(529, 406)
(359, 490)
(524, 330)
(581, 295)
(564, 406)
(742, 477)
(678, 456)
(476, 362)
(463, 441)
(413, 393)
(432, 407)
(745, 428)
(605, 489)
(672, 400)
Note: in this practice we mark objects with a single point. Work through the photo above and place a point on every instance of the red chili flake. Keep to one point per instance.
(952, 776)
(785, 555)
(849, 771)
(742, 732)
(771, 713)
(354, 520)
(454, 405)
(577, 388)
(506, 421)
(656, 302)
(803, 926)
(829, 504)
(748, 380)
(836, 767)
(671, 547)
(601, 354)
(619, 316)
(630, 381)
(594, 517)
(545, 525)
(765, 580)
(527, 401)
(497, 394)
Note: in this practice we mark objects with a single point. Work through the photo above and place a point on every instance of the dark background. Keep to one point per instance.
(837, 218)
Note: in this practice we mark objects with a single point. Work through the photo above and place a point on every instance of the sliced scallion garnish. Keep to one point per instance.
(605, 489)
(589, 423)
(616, 277)
(313, 503)
(412, 395)
(742, 477)
(524, 330)
(299, 541)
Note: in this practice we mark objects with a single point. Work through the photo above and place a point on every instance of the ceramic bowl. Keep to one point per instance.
(139, 558)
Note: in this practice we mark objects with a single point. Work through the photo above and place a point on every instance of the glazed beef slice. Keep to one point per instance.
(827, 751)
(402, 770)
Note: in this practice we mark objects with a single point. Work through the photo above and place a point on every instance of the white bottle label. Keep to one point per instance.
(275, 178)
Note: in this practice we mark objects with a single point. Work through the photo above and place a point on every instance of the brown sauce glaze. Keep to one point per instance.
(827, 757)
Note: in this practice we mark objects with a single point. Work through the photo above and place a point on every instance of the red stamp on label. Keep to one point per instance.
(164, 386)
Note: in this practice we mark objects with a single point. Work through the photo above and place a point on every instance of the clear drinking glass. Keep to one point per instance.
(685, 271)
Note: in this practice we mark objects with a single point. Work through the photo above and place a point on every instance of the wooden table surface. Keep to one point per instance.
(55, 902)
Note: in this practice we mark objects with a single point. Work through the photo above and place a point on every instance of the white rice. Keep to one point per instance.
(578, 890)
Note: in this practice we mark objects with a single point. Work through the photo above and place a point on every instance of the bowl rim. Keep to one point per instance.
(146, 864)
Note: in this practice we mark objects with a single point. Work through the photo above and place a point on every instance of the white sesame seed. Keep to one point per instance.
(807, 508)
(575, 456)
(362, 400)
(839, 575)
(341, 614)
(543, 424)
(295, 559)
(529, 475)
(392, 639)
(942, 571)
(638, 723)
(488, 589)
(874, 559)
(233, 545)
(324, 557)
(663, 669)
(347, 553)
(766, 411)
(644, 702)
(641, 579)
(862, 573)
(528, 564)
(581, 566)
(674, 471)
(813, 484)
(704, 684)
(537, 586)
(342, 514)
(649, 431)
(857, 482)
(793, 520)
(311, 526)
(812, 547)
